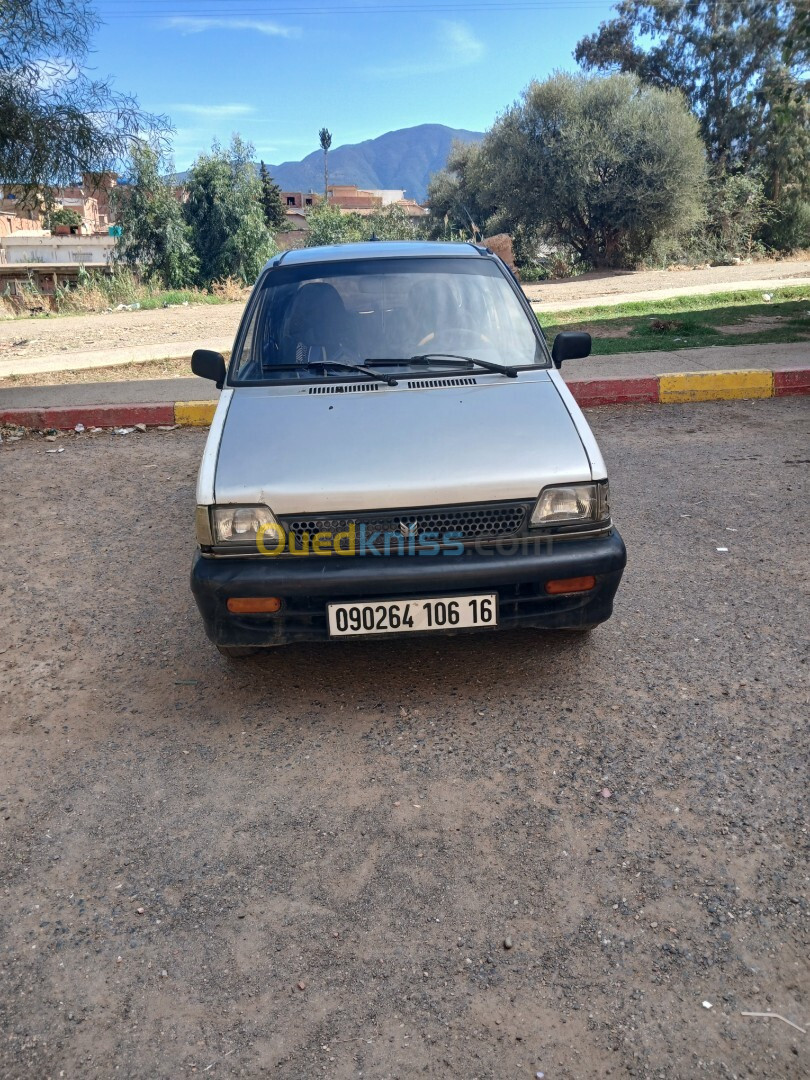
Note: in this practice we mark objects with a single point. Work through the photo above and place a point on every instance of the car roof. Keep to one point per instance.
(377, 249)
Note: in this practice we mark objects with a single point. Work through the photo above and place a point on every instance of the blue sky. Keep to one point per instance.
(278, 70)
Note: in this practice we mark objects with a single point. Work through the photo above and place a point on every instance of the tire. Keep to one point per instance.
(238, 652)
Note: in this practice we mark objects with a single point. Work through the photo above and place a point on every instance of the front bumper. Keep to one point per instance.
(307, 583)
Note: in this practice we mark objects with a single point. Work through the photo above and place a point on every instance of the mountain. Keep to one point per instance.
(399, 159)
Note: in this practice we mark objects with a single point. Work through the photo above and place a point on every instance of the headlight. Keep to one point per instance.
(244, 524)
(570, 503)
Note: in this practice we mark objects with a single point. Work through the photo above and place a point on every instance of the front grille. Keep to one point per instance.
(488, 521)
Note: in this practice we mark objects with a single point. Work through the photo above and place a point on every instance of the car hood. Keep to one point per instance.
(299, 452)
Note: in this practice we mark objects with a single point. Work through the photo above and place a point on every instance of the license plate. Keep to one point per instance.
(403, 616)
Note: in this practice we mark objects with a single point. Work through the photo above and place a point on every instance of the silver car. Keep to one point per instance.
(395, 452)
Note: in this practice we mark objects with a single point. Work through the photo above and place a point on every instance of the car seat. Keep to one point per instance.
(317, 327)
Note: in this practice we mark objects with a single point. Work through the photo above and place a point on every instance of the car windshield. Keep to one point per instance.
(316, 321)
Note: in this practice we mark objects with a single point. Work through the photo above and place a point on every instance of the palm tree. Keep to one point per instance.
(326, 141)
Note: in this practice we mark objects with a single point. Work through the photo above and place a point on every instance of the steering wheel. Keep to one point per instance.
(456, 333)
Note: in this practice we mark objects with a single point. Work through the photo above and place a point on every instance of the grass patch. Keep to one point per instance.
(690, 322)
(178, 297)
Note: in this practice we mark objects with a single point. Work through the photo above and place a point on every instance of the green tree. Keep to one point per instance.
(272, 206)
(391, 223)
(737, 208)
(63, 216)
(455, 193)
(224, 210)
(325, 139)
(781, 152)
(329, 225)
(155, 239)
(56, 121)
(742, 66)
(600, 166)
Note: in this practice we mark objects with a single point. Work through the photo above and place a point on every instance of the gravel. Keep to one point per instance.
(387, 815)
(24, 338)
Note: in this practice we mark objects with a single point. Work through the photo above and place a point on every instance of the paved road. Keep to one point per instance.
(716, 358)
(308, 864)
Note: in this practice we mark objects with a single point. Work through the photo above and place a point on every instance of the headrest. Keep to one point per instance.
(318, 316)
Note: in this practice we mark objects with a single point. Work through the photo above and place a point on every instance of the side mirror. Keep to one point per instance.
(210, 365)
(570, 345)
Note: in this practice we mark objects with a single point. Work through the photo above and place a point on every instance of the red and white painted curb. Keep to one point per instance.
(682, 387)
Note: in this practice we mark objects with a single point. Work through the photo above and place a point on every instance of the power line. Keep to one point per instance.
(261, 9)
(158, 8)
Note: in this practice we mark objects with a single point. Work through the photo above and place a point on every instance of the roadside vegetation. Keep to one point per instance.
(123, 289)
(329, 225)
(219, 232)
(690, 322)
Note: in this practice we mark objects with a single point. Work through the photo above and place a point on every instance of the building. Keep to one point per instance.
(89, 200)
(300, 200)
(86, 207)
(15, 213)
(47, 261)
(366, 201)
(99, 187)
(350, 198)
(412, 209)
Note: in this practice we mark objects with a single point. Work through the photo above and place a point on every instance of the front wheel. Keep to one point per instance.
(238, 652)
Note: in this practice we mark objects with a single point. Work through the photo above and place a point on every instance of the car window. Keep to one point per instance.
(390, 309)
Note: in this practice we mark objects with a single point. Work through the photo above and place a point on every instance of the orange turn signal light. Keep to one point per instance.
(254, 605)
(570, 584)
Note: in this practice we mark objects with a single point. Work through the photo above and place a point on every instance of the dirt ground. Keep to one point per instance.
(116, 329)
(25, 338)
(309, 863)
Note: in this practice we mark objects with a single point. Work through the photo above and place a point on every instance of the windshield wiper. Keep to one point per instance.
(369, 372)
(372, 374)
(488, 365)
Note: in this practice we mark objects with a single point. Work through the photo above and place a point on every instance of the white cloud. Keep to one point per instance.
(463, 45)
(455, 46)
(193, 24)
(212, 112)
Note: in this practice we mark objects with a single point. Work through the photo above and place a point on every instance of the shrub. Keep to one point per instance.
(598, 166)
(228, 230)
(63, 216)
